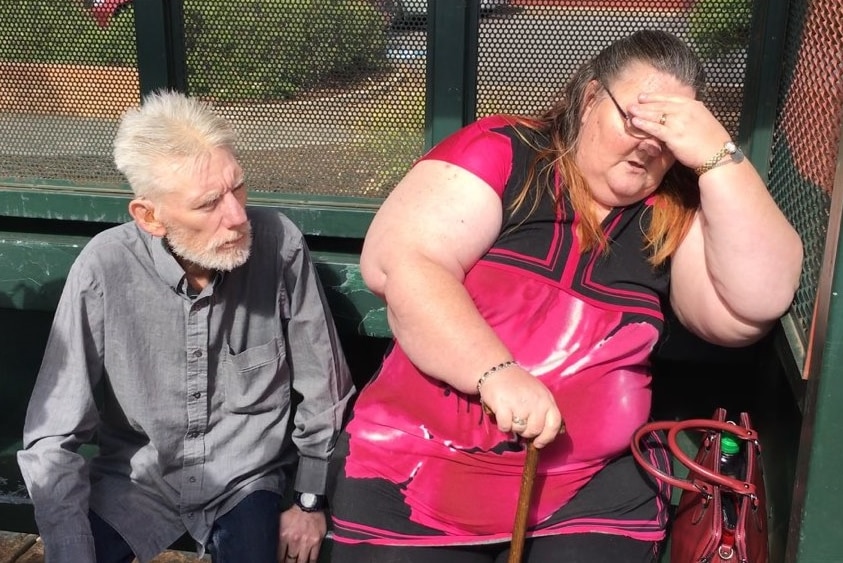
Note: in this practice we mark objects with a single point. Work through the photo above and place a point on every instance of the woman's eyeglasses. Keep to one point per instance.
(627, 120)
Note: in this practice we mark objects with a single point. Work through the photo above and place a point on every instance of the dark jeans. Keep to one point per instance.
(248, 532)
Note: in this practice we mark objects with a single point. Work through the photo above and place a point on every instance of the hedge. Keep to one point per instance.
(719, 27)
(235, 50)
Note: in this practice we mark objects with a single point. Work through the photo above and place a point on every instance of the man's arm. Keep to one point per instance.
(317, 364)
(62, 416)
(321, 376)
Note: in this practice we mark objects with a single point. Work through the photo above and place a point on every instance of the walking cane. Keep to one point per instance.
(519, 530)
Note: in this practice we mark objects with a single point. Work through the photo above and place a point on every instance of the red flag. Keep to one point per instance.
(103, 10)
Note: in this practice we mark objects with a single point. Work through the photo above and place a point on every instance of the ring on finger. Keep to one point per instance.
(292, 556)
(518, 421)
(663, 119)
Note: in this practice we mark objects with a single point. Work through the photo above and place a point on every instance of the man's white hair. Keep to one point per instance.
(169, 129)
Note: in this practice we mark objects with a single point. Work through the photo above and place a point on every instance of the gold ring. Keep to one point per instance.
(518, 421)
(663, 119)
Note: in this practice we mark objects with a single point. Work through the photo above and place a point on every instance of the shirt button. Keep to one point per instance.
(193, 435)
(197, 353)
(192, 479)
(190, 515)
(197, 395)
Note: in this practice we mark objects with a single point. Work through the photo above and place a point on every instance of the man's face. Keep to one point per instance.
(204, 213)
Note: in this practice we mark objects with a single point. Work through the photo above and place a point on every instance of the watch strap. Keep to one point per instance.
(729, 148)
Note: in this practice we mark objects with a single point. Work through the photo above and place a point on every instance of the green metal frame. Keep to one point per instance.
(324, 216)
(448, 69)
(816, 517)
(766, 51)
(758, 120)
(159, 35)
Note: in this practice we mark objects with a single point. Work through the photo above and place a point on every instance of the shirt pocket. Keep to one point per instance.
(254, 380)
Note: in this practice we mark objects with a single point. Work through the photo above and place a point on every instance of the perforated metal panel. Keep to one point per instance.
(807, 134)
(530, 49)
(328, 96)
(64, 80)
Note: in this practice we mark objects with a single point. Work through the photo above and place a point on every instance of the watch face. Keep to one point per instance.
(734, 151)
(308, 500)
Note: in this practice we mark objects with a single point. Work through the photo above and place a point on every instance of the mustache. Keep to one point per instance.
(239, 233)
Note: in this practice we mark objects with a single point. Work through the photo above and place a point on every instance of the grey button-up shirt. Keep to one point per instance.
(195, 392)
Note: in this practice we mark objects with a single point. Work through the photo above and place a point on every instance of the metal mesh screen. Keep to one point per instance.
(328, 96)
(530, 49)
(64, 80)
(807, 134)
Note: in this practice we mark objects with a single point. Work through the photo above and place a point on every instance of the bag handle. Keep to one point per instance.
(707, 425)
(706, 479)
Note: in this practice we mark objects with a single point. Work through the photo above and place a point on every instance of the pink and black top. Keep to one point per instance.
(426, 466)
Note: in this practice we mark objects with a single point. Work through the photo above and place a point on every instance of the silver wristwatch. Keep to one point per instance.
(310, 502)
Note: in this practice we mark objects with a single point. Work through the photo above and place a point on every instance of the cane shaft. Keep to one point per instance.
(519, 530)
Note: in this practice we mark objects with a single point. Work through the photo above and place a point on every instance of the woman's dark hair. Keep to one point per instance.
(677, 201)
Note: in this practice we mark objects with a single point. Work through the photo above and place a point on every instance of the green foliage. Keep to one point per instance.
(719, 27)
(261, 50)
(235, 50)
(50, 31)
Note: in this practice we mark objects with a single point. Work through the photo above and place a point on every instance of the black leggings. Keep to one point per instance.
(568, 548)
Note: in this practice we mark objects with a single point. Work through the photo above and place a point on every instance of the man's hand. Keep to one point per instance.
(301, 535)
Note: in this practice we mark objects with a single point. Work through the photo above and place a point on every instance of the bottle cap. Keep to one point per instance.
(729, 444)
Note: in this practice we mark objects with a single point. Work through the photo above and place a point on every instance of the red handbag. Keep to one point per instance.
(698, 532)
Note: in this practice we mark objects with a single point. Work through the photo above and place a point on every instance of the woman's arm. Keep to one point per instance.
(435, 225)
(737, 269)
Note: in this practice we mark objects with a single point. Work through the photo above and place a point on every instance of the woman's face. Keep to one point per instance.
(621, 164)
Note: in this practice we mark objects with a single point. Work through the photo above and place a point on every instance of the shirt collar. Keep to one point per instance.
(165, 263)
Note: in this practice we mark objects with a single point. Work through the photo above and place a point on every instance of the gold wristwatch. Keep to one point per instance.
(730, 149)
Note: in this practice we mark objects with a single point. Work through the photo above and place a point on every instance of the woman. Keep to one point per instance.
(525, 264)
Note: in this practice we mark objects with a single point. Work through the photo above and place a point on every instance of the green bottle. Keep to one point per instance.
(731, 465)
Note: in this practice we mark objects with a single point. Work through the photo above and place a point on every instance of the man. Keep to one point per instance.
(200, 324)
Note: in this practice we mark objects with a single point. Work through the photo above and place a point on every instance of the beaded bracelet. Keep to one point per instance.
(490, 371)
